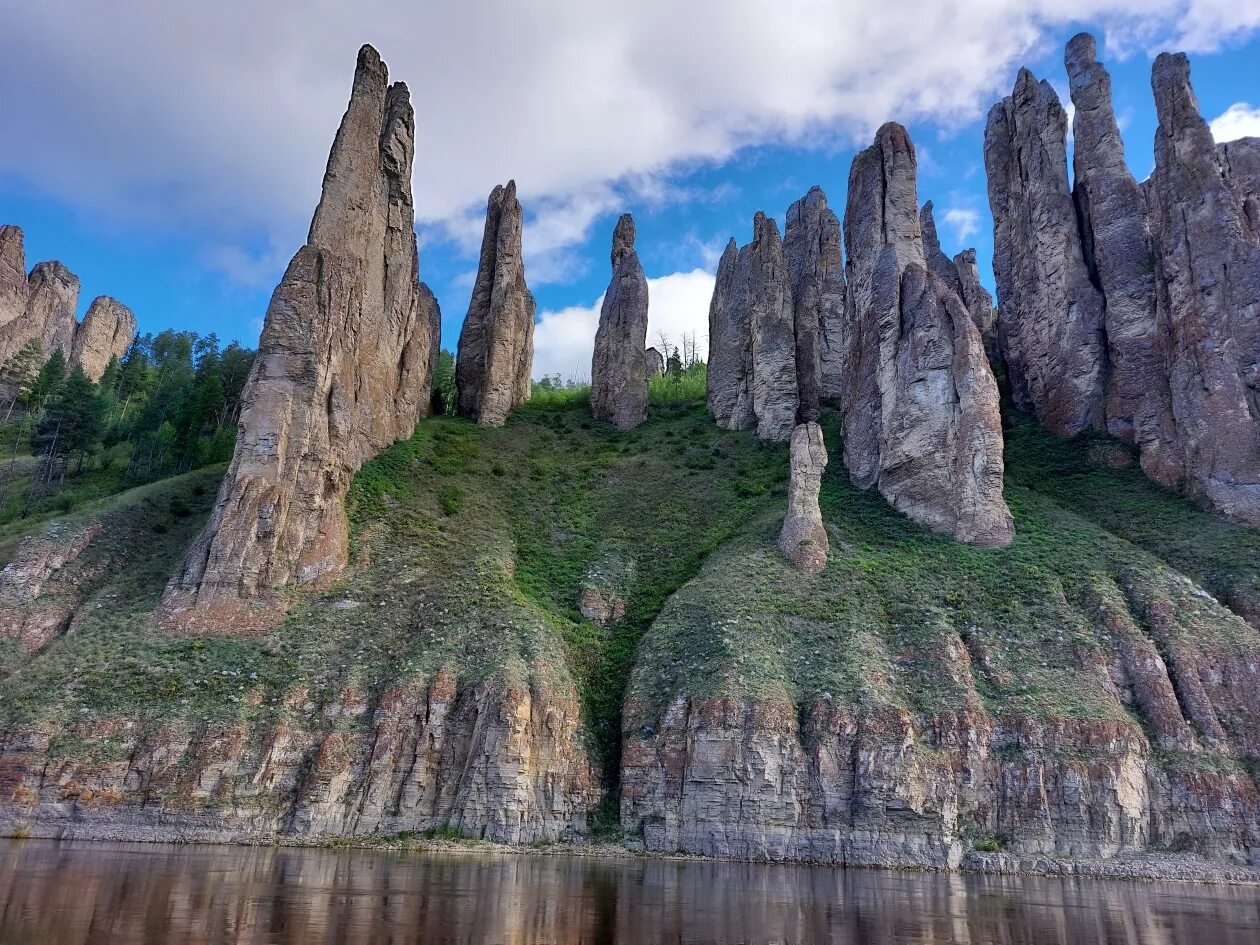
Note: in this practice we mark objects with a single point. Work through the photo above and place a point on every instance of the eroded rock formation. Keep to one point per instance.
(921, 417)
(12, 274)
(496, 343)
(653, 363)
(105, 333)
(1117, 246)
(811, 248)
(343, 370)
(803, 538)
(978, 301)
(1240, 161)
(1208, 272)
(51, 296)
(618, 370)
(752, 338)
(1051, 325)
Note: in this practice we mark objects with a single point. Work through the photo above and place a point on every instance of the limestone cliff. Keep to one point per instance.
(343, 370)
(105, 333)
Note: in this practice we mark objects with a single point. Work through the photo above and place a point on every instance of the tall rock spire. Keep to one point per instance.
(811, 248)
(496, 343)
(752, 338)
(920, 413)
(12, 274)
(618, 365)
(1208, 271)
(1117, 247)
(1051, 325)
(106, 332)
(343, 370)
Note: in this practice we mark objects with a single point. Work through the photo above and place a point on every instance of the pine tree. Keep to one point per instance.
(71, 424)
(19, 374)
(49, 380)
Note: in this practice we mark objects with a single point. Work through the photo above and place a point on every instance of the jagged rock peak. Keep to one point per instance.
(1208, 267)
(811, 248)
(920, 414)
(105, 333)
(937, 262)
(978, 301)
(343, 370)
(12, 273)
(1116, 243)
(496, 344)
(1051, 325)
(618, 365)
(803, 538)
(52, 296)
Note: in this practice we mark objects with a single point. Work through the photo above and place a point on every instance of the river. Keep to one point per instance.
(74, 893)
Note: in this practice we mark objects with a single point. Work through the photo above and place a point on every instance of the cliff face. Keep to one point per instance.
(811, 248)
(105, 333)
(1051, 328)
(496, 343)
(343, 370)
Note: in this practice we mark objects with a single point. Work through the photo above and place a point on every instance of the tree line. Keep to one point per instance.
(169, 405)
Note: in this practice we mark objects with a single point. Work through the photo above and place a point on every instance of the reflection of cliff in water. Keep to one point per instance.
(76, 894)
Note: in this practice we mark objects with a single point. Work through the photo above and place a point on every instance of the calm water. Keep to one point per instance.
(96, 894)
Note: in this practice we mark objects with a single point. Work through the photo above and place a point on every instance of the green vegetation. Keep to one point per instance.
(473, 550)
(169, 406)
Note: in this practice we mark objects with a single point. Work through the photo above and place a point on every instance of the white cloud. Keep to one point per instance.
(964, 222)
(1240, 120)
(677, 304)
(218, 116)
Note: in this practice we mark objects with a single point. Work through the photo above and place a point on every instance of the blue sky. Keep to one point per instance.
(171, 156)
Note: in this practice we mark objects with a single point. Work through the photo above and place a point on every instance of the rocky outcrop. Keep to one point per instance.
(1208, 273)
(52, 294)
(105, 333)
(618, 370)
(920, 416)
(496, 760)
(496, 343)
(811, 248)
(979, 302)
(938, 263)
(1117, 248)
(803, 539)
(1051, 325)
(343, 370)
(12, 274)
(1240, 161)
(653, 363)
(752, 338)
(45, 582)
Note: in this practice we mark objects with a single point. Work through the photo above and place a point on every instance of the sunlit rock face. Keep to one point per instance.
(344, 368)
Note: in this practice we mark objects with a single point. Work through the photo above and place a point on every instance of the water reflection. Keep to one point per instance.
(95, 894)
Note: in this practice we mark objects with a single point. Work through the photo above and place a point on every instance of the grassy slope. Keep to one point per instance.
(471, 547)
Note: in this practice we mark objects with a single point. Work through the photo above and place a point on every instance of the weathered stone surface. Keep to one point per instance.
(978, 301)
(1240, 161)
(496, 344)
(618, 370)
(52, 294)
(653, 363)
(106, 332)
(343, 370)
(1208, 268)
(921, 417)
(803, 539)
(811, 247)
(938, 263)
(730, 347)
(752, 338)
(12, 274)
(1051, 324)
(1117, 246)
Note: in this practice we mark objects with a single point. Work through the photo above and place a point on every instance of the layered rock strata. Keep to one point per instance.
(1118, 250)
(343, 370)
(496, 343)
(752, 379)
(618, 369)
(920, 414)
(1208, 277)
(811, 248)
(803, 538)
(1051, 326)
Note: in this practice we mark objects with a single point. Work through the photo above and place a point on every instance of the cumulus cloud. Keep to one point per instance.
(1240, 120)
(963, 221)
(218, 116)
(678, 304)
